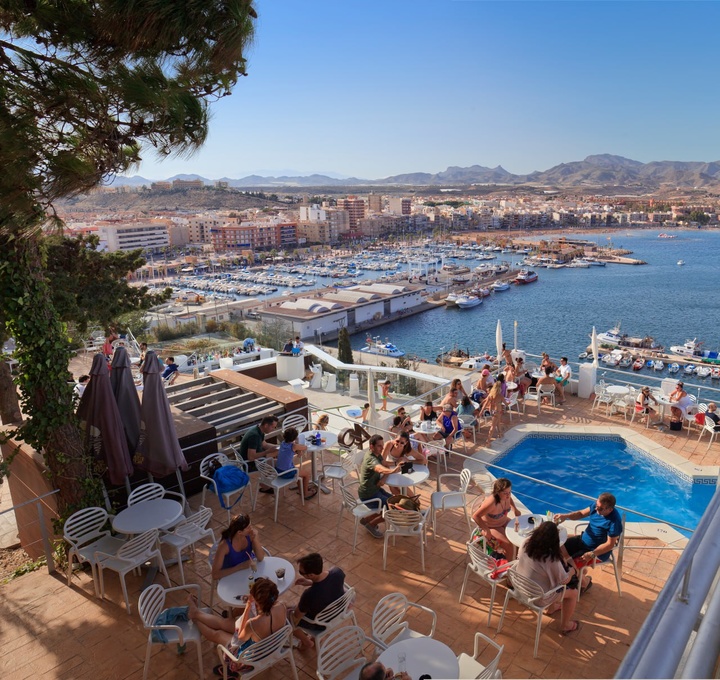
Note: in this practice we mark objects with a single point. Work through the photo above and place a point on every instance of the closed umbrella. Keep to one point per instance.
(158, 450)
(372, 413)
(100, 418)
(126, 396)
(498, 342)
(594, 347)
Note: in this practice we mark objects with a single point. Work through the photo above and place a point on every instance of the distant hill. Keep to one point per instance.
(601, 170)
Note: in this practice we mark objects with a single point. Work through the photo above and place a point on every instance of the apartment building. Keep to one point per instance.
(254, 236)
(199, 226)
(355, 207)
(400, 206)
(145, 235)
(375, 202)
(188, 184)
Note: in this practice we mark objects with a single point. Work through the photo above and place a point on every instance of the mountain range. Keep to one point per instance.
(601, 170)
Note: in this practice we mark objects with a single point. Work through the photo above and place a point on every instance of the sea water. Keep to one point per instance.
(556, 314)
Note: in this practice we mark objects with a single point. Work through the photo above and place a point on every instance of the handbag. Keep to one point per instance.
(402, 502)
(406, 468)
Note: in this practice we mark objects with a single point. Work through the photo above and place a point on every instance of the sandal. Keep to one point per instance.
(311, 494)
(574, 629)
(587, 587)
(218, 670)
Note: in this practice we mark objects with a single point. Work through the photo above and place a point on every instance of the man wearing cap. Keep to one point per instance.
(682, 399)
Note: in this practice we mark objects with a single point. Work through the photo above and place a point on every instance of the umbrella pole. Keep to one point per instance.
(127, 485)
(182, 488)
(108, 506)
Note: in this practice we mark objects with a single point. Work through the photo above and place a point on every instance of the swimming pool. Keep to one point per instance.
(593, 464)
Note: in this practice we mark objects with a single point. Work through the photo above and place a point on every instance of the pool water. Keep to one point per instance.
(591, 465)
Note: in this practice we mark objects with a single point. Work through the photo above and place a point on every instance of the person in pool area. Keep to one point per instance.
(492, 517)
(600, 537)
(711, 414)
(562, 378)
(286, 454)
(541, 560)
(237, 544)
(385, 394)
(642, 402)
(263, 616)
(681, 399)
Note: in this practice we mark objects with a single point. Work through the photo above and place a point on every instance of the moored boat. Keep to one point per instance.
(715, 373)
(526, 276)
(468, 301)
(386, 349)
(451, 300)
(703, 371)
(638, 364)
(693, 348)
(500, 285)
(626, 361)
(673, 368)
(658, 364)
(689, 369)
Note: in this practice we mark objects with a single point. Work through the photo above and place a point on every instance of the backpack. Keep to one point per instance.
(229, 478)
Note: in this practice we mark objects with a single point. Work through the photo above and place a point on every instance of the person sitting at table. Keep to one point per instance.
(682, 401)
(493, 404)
(467, 408)
(286, 454)
(373, 474)
(322, 422)
(541, 560)
(456, 384)
(374, 670)
(171, 371)
(599, 539)
(711, 414)
(253, 445)
(325, 586)
(406, 419)
(547, 361)
(450, 398)
(547, 379)
(642, 402)
(397, 450)
(522, 376)
(492, 516)
(237, 544)
(562, 378)
(449, 425)
(256, 623)
(427, 412)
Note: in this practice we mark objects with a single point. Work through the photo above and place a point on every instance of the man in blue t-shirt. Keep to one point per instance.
(600, 536)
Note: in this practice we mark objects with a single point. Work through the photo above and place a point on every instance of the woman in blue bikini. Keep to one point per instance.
(238, 543)
(493, 516)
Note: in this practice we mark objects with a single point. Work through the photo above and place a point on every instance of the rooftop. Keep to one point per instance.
(63, 632)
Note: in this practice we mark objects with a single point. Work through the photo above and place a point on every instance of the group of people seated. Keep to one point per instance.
(541, 557)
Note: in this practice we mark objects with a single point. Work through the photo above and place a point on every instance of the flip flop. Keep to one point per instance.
(218, 670)
(587, 587)
(572, 630)
(311, 494)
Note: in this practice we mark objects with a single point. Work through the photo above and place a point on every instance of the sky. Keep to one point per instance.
(375, 88)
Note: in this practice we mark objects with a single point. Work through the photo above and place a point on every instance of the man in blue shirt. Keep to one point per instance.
(171, 369)
(600, 536)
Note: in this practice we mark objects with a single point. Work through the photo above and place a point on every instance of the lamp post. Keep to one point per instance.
(442, 362)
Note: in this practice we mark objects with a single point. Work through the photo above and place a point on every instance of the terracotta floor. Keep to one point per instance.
(50, 630)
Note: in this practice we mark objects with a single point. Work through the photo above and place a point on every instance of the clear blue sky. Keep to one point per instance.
(374, 88)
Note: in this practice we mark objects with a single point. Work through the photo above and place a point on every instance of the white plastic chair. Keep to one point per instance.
(437, 451)
(187, 533)
(626, 404)
(615, 558)
(262, 655)
(537, 394)
(445, 500)
(84, 532)
(689, 416)
(343, 464)
(358, 508)
(640, 414)
(151, 605)
(132, 555)
(205, 466)
(468, 423)
(708, 426)
(512, 403)
(389, 620)
(333, 616)
(530, 594)
(482, 565)
(403, 523)
(295, 420)
(278, 480)
(470, 667)
(602, 397)
(341, 654)
(151, 492)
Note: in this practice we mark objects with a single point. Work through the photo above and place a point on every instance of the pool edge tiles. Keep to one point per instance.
(697, 474)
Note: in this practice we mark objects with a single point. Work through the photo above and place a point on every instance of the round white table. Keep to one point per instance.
(617, 390)
(233, 589)
(511, 385)
(428, 427)
(423, 656)
(160, 513)
(519, 536)
(419, 474)
(327, 439)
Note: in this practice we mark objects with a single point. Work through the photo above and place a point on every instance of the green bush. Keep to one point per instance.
(165, 333)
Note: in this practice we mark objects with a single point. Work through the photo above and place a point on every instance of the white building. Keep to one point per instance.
(135, 235)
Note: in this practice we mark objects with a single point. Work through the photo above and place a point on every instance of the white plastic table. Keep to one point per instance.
(419, 474)
(328, 439)
(423, 656)
(617, 390)
(159, 513)
(519, 536)
(233, 589)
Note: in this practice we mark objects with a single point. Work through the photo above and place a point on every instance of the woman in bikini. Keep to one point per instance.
(263, 616)
(238, 543)
(492, 516)
(494, 404)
